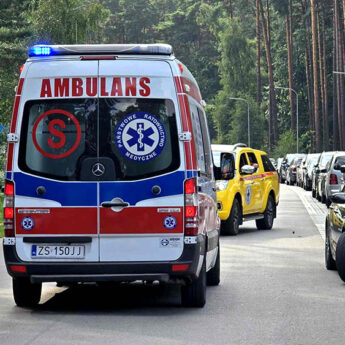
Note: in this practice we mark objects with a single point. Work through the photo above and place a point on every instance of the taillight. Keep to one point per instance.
(191, 222)
(9, 209)
(293, 168)
(333, 179)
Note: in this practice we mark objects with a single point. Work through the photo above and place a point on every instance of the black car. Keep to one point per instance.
(335, 234)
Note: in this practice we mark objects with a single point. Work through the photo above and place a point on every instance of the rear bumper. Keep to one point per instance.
(164, 271)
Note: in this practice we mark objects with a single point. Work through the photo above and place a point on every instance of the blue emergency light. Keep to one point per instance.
(40, 51)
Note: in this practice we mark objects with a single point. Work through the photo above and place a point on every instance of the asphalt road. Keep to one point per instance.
(274, 290)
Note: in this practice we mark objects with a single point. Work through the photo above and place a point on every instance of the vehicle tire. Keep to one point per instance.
(213, 275)
(231, 225)
(328, 202)
(193, 295)
(329, 261)
(282, 180)
(318, 198)
(340, 256)
(266, 223)
(25, 293)
(313, 193)
(323, 199)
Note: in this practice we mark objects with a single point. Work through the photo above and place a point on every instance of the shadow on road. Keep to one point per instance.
(91, 298)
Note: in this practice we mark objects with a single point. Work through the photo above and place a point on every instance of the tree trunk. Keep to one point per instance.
(309, 73)
(273, 104)
(316, 77)
(290, 71)
(336, 145)
(338, 77)
(268, 21)
(341, 112)
(321, 77)
(325, 83)
(258, 56)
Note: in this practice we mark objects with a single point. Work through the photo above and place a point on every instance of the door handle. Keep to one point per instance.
(109, 204)
(253, 182)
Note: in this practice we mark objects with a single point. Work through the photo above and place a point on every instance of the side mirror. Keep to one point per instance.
(248, 169)
(227, 166)
(342, 169)
(338, 198)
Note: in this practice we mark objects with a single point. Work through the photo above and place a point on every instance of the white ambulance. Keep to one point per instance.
(109, 172)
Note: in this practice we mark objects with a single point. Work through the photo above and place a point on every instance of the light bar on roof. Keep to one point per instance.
(101, 49)
(40, 50)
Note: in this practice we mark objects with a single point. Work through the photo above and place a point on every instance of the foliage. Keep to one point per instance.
(66, 21)
(287, 144)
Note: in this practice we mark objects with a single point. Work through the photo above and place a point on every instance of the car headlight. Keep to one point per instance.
(222, 184)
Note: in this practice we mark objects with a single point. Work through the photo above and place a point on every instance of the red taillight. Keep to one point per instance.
(9, 209)
(21, 68)
(191, 222)
(182, 267)
(9, 189)
(8, 213)
(333, 179)
(190, 211)
(18, 268)
(293, 168)
(180, 67)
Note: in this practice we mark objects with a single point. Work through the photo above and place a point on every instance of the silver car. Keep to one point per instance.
(334, 176)
(308, 169)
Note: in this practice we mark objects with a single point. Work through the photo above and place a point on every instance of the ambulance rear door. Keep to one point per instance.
(141, 207)
(56, 213)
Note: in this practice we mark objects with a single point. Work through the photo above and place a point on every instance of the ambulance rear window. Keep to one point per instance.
(64, 139)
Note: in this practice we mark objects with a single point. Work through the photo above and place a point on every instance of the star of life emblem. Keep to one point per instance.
(27, 223)
(248, 194)
(140, 137)
(170, 222)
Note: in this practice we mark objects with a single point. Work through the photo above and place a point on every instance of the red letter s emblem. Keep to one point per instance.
(56, 133)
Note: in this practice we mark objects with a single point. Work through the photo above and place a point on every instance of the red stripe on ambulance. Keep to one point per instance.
(59, 221)
(138, 220)
(14, 123)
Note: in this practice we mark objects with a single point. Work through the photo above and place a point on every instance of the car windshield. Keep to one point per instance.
(324, 160)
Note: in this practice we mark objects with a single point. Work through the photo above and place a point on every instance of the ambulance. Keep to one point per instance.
(109, 174)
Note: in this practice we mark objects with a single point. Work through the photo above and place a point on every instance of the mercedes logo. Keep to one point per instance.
(98, 169)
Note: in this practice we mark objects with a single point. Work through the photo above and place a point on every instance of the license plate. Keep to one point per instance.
(57, 252)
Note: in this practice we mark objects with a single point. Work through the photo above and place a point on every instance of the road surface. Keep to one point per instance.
(274, 290)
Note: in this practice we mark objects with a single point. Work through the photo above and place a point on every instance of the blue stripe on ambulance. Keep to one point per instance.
(85, 193)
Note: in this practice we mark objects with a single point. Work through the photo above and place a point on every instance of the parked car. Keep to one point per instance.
(335, 234)
(300, 171)
(292, 169)
(316, 172)
(288, 158)
(279, 163)
(308, 170)
(321, 174)
(334, 176)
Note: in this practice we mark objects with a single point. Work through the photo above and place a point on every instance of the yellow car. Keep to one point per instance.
(247, 187)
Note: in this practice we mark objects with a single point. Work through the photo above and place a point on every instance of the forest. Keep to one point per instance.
(265, 52)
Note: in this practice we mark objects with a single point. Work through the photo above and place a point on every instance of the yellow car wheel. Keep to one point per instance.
(230, 227)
